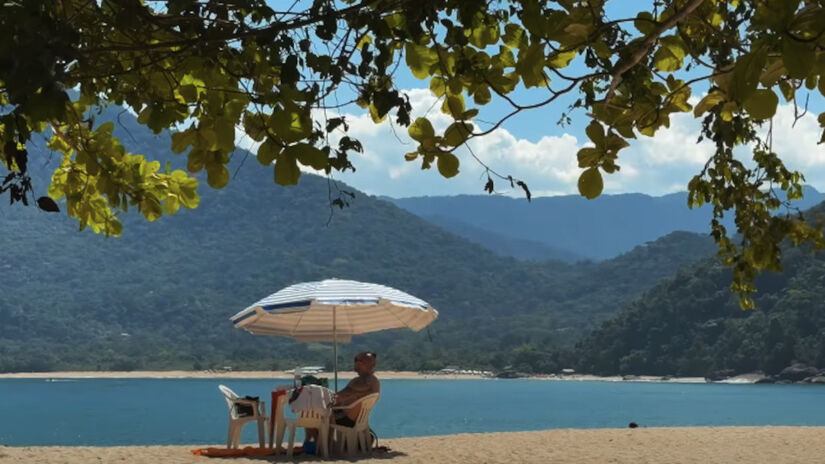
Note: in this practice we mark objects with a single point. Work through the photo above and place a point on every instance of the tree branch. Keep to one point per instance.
(646, 45)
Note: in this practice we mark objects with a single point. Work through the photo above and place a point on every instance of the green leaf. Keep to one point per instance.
(454, 106)
(645, 23)
(798, 57)
(613, 143)
(484, 35)
(291, 125)
(514, 36)
(530, 66)
(420, 59)
(217, 176)
(254, 124)
(286, 171)
(421, 130)
(182, 140)
(225, 134)
(307, 155)
(707, 103)
(504, 59)
(746, 74)
(591, 183)
(150, 208)
(670, 55)
(774, 70)
(171, 205)
(595, 132)
(268, 151)
(788, 90)
(762, 104)
(447, 164)
(482, 96)
(437, 86)
(588, 157)
(728, 110)
(457, 133)
(559, 60)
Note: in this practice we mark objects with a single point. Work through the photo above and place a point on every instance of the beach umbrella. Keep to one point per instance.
(334, 310)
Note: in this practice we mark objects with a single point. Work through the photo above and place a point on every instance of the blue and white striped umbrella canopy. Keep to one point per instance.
(334, 310)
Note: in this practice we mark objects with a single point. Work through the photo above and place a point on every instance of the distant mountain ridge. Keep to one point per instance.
(578, 228)
(528, 250)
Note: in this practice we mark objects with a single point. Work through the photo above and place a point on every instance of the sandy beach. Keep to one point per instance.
(641, 445)
(215, 375)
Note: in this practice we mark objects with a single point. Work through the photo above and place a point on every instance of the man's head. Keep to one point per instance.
(365, 362)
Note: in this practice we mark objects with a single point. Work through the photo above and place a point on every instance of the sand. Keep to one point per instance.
(641, 445)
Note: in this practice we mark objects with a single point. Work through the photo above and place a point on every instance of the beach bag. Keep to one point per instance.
(312, 380)
(245, 410)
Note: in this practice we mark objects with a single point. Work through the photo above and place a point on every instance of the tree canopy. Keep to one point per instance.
(281, 72)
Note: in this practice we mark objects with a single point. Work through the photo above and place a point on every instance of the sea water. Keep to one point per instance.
(192, 411)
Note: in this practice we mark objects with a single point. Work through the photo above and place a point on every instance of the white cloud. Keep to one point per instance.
(547, 163)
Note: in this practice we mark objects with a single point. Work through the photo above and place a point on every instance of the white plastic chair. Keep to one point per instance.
(276, 433)
(311, 419)
(358, 434)
(236, 421)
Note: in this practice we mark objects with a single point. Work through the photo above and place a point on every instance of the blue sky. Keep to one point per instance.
(533, 147)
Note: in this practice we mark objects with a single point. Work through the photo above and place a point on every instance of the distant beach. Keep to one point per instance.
(650, 445)
(283, 375)
(217, 374)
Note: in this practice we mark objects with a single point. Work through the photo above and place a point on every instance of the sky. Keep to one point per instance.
(534, 148)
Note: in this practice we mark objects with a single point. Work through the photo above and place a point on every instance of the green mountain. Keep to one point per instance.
(528, 250)
(161, 296)
(593, 229)
(691, 325)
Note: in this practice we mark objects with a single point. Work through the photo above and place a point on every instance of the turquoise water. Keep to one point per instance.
(192, 411)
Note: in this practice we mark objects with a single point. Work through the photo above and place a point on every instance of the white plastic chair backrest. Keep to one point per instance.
(230, 398)
(367, 402)
(314, 418)
(311, 418)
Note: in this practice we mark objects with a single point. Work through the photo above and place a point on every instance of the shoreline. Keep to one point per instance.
(282, 375)
(562, 446)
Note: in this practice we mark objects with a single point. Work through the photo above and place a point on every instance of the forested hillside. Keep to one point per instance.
(690, 325)
(161, 296)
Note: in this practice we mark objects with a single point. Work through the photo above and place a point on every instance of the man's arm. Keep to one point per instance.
(355, 389)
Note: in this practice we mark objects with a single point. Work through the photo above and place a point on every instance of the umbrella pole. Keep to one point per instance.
(335, 348)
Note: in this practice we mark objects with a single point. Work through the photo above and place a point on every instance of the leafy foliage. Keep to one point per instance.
(203, 68)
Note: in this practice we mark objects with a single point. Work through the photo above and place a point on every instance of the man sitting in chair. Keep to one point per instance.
(365, 384)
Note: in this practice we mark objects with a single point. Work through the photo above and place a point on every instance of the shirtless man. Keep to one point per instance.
(365, 384)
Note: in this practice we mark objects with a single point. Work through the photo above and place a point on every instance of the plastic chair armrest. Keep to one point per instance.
(244, 401)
